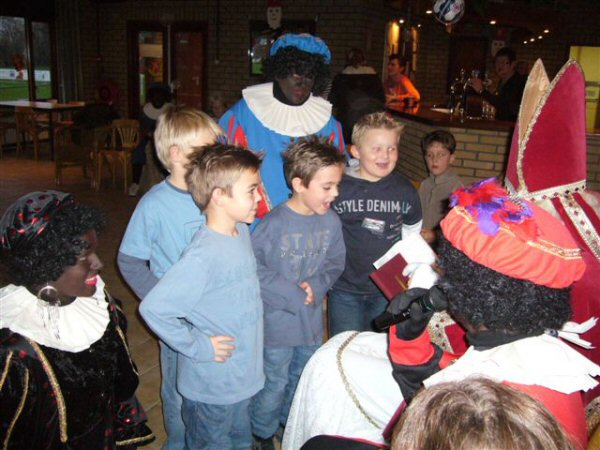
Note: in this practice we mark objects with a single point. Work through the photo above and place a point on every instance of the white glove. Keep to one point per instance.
(420, 275)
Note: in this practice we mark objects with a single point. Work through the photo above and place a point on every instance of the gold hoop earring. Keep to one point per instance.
(49, 294)
(51, 309)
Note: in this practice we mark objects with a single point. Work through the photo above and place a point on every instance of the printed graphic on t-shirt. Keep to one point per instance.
(372, 205)
(303, 251)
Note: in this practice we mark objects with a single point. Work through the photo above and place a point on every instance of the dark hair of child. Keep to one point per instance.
(445, 138)
(307, 155)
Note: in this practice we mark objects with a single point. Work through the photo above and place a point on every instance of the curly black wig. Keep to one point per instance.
(50, 253)
(481, 296)
(291, 59)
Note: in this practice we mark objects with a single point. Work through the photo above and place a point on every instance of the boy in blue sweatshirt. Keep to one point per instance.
(300, 252)
(207, 307)
(161, 227)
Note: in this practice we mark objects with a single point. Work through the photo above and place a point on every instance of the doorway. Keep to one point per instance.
(589, 58)
(171, 54)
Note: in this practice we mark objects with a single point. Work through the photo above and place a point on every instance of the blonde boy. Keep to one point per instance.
(161, 226)
(300, 253)
(214, 289)
(377, 207)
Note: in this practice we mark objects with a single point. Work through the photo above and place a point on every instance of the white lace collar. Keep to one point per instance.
(152, 112)
(542, 360)
(81, 323)
(294, 121)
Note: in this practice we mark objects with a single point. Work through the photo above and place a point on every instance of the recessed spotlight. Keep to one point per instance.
(429, 11)
(532, 40)
(540, 36)
(546, 31)
(401, 21)
(492, 22)
(418, 25)
(524, 42)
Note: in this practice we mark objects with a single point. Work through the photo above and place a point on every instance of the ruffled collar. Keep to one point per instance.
(294, 121)
(152, 112)
(541, 360)
(360, 70)
(81, 323)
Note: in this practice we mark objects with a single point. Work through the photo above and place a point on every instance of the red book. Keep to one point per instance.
(389, 278)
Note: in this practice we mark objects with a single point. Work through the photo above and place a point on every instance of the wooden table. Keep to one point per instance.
(45, 107)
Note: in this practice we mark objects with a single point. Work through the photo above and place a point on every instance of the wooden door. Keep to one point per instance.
(188, 65)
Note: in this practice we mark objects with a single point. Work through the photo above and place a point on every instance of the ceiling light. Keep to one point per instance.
(401, 21)
(546, 31)
(532, 40)
(492, 22)
(540, 36)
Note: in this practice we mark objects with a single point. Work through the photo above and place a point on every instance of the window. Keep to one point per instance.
(25, 59)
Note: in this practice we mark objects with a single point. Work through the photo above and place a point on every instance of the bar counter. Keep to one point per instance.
(482, 146)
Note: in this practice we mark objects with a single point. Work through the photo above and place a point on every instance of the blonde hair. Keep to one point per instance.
(477, 414)
(178, 127)
(374, 121)
(306, 156)
(217, 166)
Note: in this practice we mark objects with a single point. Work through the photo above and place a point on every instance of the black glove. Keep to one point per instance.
(420, 304)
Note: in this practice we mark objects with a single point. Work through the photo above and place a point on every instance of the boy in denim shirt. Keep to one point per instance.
(378, 207)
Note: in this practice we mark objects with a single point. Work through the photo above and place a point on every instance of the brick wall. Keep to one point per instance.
(479, 153)
(342, 24)
(579, 26)
(593, 162)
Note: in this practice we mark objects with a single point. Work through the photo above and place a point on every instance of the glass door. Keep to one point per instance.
(171, 54)
(150, 61)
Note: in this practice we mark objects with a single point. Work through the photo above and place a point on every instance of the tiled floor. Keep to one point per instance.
(19, 176)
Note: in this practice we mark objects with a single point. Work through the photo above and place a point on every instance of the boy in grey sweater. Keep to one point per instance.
(300, 253)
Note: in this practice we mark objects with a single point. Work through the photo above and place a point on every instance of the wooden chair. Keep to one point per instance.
(27, 125)
(7, 123)
(2, 140)
(94, 140)
(125, 138)
(71, 150)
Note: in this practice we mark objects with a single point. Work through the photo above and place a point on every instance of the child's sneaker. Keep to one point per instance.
(259, 443)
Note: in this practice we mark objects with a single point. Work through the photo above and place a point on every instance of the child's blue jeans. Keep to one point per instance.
(171, 399)
(348, 311)
(271, 406)
(217, 427)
